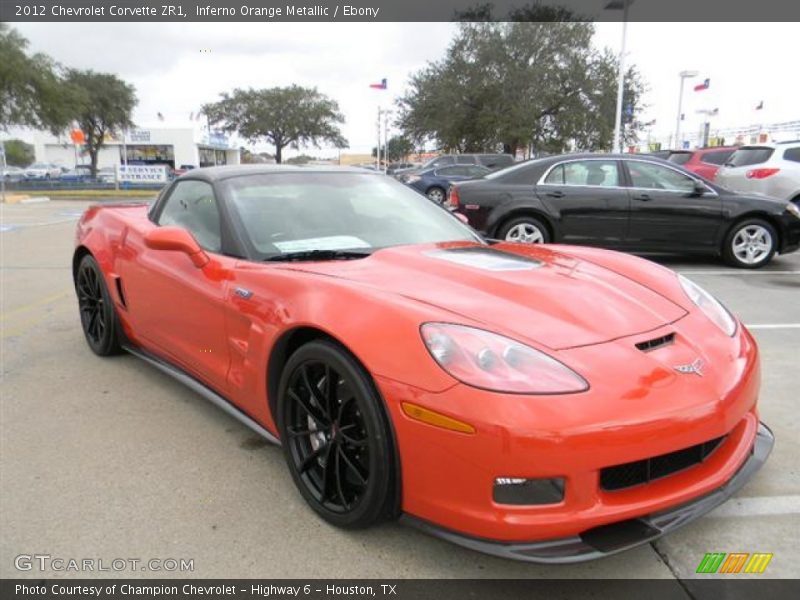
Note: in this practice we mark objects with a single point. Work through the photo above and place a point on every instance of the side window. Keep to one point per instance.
(448, 171)
(465, 159)
(792, 154)
(598, 173)
(476, 171)
(191, 205)
(657, 177)
(556, 175)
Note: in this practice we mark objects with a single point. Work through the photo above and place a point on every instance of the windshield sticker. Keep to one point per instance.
(333, 242)
(487, 259)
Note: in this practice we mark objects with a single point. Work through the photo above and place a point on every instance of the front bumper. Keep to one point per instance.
(615, 537)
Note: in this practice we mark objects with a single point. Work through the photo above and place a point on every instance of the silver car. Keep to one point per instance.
(43, 171)
(769, 169)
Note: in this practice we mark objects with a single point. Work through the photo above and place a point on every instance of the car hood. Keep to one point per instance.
(534, 293)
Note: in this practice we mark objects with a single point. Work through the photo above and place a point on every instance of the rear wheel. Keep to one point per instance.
(335, 436)
(526, 230)
(98, 317)
(750, 244)
(436, 194)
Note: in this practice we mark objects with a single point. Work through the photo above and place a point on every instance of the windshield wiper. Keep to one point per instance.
(319, 255)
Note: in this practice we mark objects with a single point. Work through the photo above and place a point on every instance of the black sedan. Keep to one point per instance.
(627, 202)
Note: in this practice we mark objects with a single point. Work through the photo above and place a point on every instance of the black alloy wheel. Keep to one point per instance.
(335, 436)
(98, 318)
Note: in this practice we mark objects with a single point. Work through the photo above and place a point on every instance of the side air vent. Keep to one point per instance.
(649, 345)
(120, 293)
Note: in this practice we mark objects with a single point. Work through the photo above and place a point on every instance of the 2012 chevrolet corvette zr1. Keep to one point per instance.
(544, 403)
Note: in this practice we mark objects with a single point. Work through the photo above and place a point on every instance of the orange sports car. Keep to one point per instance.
(543, 403)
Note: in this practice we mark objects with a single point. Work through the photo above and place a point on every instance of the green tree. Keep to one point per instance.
(507, 85)
(18, 153)
(282, 116)
(31, 92)
(103, 105)
(399, 147)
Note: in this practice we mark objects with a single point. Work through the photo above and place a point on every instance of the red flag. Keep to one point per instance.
(379, 86)
(703, 86)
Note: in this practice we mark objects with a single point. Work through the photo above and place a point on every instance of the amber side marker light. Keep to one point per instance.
(418, 413)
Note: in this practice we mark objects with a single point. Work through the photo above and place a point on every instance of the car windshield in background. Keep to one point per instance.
(744, 157)
(285, 213)
(716, 158)
(679, 158)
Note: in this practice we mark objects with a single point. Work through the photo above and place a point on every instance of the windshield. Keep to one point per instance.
(285, 213)
(679, 158)
(754, 155)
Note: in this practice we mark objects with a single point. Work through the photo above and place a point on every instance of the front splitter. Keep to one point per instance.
(615, 537)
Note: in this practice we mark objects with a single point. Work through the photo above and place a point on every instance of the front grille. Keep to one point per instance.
(648, 345)
(644, 471)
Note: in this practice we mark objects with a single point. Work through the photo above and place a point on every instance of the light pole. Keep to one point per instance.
(684, 75)
(622, 5)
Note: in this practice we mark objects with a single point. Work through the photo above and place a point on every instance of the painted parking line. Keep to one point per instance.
(759, 506)
(738, 272)
(37, 304)
(774, 326)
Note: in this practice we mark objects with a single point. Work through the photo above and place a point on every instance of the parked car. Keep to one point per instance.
(492, 161)
(542, 405)
(630, 203)
(400, 167)
(702, 161)
(769, 169)
(435, 182)
(43, 171)
(107, 175)
(182, 169)
(80, 174)
(663, 154)
(13, 174)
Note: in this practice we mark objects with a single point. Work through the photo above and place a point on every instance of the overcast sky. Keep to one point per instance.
(178, 67)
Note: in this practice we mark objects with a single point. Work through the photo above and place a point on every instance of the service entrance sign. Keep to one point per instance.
(142, 173)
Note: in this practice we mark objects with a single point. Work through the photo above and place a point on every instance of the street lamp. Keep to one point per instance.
(622, 5)
(684, 75)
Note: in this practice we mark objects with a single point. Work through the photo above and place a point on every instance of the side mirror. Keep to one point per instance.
(699, 188)
(176, 238)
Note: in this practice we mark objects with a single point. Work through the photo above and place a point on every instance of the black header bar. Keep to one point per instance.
(265, 11)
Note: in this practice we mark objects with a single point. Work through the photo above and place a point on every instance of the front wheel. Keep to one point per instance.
(98, 317)
(750, 244)
(335, 436)
(526, 230)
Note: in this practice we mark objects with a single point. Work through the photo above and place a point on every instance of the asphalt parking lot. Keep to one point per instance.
(111, 459)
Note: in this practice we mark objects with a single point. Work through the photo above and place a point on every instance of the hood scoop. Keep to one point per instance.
(487, 259)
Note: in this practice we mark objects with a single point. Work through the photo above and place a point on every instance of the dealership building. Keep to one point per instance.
(178, 147)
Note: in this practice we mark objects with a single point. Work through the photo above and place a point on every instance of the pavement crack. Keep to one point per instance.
(665, 559)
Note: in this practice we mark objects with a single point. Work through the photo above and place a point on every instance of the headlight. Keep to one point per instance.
(411, 178)
(712, 307)
(492, 362)
(794, 209)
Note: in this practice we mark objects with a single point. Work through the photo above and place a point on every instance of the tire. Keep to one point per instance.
(750, 244)
(98, 316)
(436, 194)
(526, 229)
(328, 466)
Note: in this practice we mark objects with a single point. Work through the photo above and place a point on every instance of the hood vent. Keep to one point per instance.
(649, 345)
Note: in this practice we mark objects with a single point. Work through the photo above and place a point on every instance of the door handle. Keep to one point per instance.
(643, 197)
(555, 194)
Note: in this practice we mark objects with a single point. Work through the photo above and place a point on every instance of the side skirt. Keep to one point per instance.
(207, 393)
